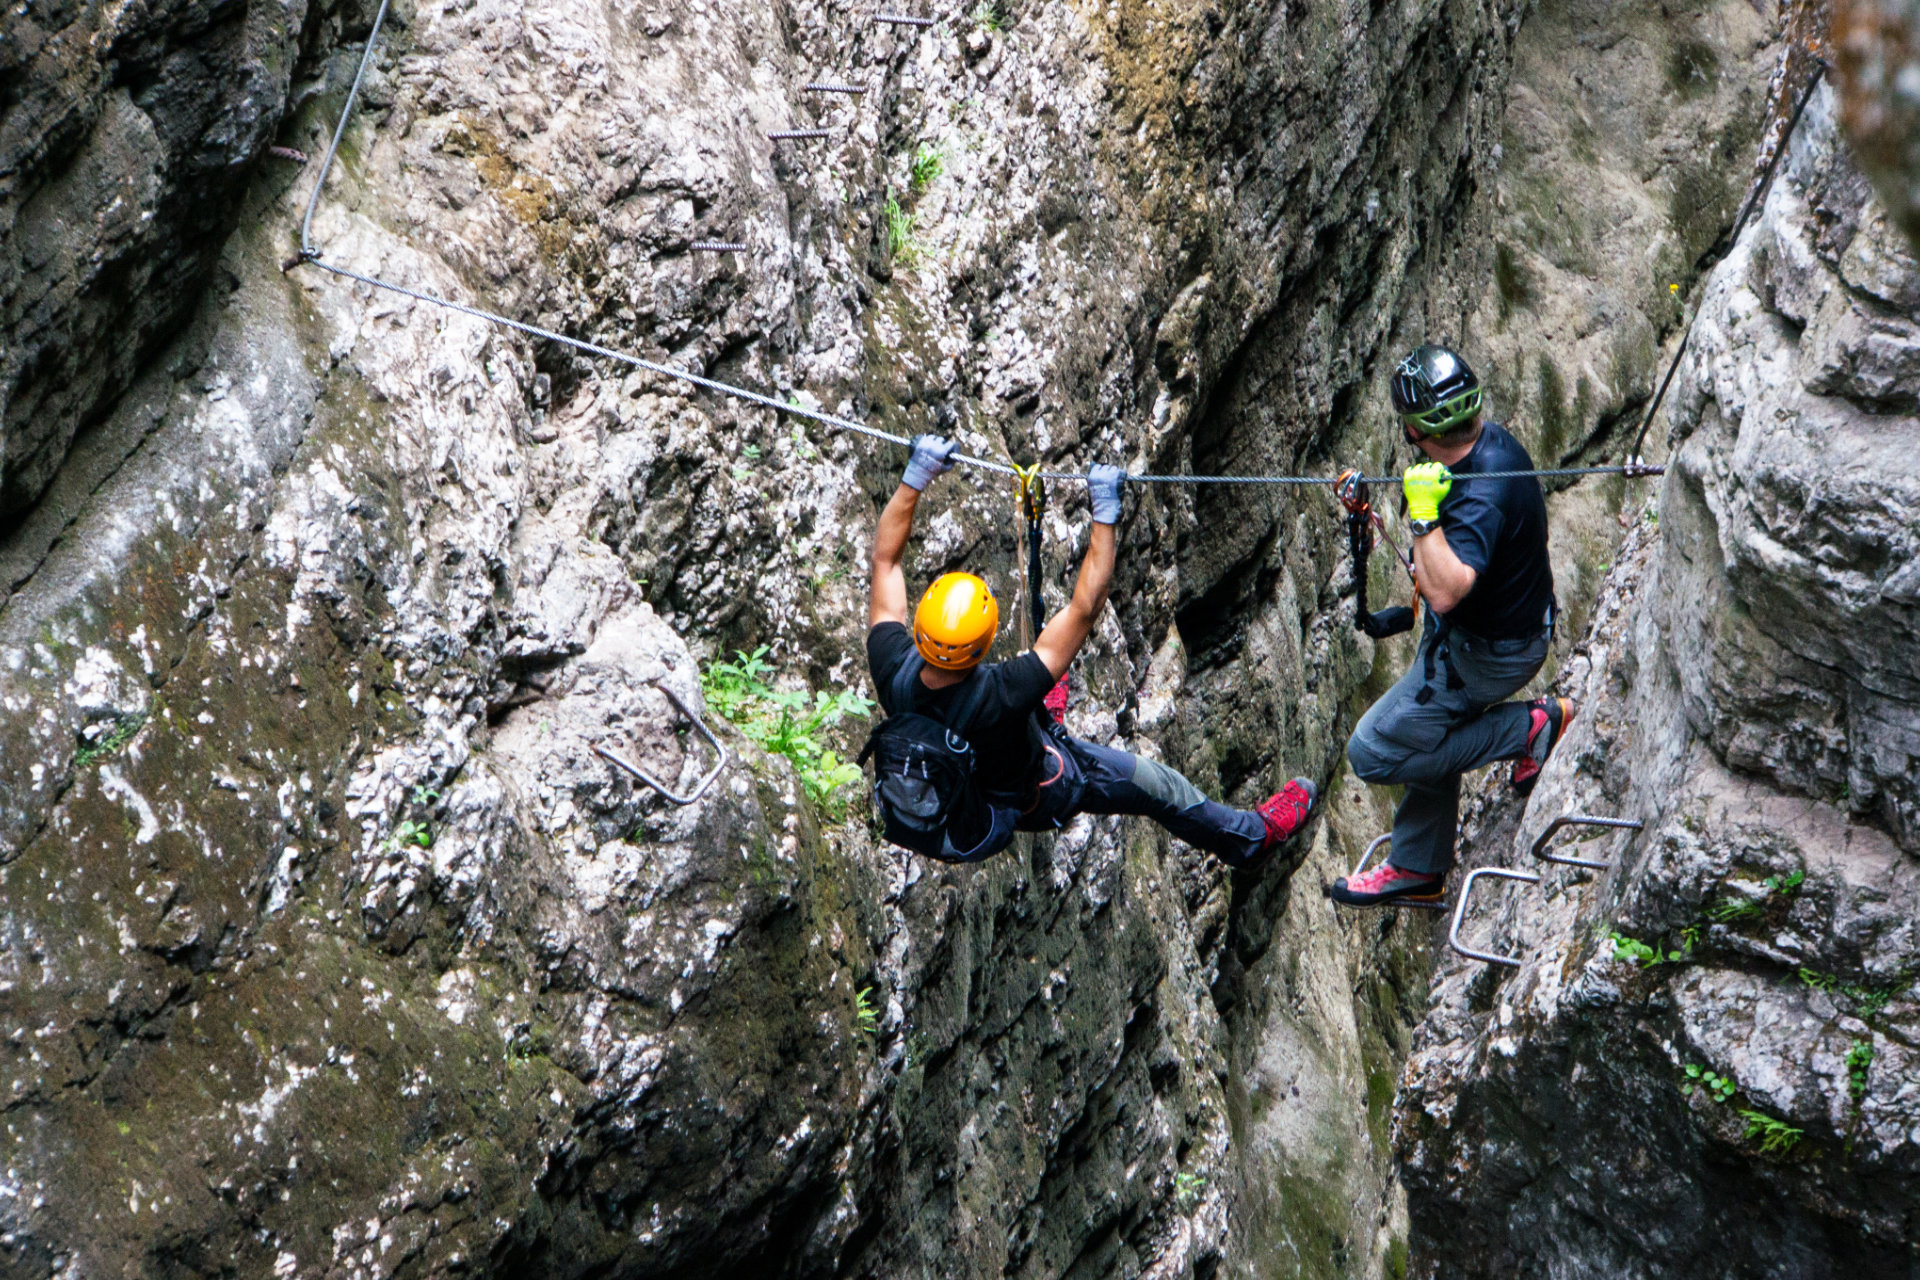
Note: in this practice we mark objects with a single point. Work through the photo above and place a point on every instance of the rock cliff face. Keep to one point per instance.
(128, 134)
(332, 950)
(1706, 1062)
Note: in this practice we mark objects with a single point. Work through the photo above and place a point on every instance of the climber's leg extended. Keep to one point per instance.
(1120, 782)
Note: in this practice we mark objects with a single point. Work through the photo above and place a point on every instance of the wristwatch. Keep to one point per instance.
(1421, 528)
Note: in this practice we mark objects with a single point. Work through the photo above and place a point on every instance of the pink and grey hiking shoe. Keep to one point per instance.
(1387, 883)
(1285, 812)
(1550, 719)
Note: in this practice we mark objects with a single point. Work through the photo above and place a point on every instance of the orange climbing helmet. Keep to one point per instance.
(954, 626)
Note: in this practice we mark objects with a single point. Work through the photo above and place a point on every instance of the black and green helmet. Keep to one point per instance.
(1434, 390)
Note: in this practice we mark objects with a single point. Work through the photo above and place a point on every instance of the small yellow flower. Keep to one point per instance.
(1673, 288)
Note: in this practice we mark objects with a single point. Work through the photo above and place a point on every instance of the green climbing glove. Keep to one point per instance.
(1426, 484)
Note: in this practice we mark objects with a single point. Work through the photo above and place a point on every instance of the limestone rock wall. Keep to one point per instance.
(128, 134)
(330, 949)
(1705, 1064)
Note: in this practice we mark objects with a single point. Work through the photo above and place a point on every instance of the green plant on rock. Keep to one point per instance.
(1817, 980)
(928, 162)
(786, 722)
(1716, 1087)
(1734, 910)
(1787, 886)
(1187, 1189)
(409, 834)
(1859, 1065)
(124, 728)
(1629, 950)
(1868, 1001)
(865, 1016)
(1776, 1137)
(989, 16)
(902, 243)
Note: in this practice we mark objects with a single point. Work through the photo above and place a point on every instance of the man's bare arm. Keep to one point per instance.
(1060, 643)
(1445, 579)
(888, 599)
(1068, 630)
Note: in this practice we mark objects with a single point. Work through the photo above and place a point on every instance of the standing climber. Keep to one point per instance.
(966, 756)
(1480, 557)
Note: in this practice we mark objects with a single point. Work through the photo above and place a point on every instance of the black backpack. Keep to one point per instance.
(923, 784)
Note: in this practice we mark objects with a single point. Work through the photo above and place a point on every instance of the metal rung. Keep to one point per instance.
(1579, 820)
(902, 20)
(1405, 904)
(824, 87)
(785, 135)
(717, 246)
(700, 788)
(1460, 912)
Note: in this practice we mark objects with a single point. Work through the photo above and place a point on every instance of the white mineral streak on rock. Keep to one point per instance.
(112, 783)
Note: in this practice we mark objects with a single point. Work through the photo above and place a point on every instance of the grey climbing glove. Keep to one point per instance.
(932, 456)
(1103, 489)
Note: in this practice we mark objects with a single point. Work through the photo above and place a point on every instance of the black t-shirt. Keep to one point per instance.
(1498, 528)
(1006, 734)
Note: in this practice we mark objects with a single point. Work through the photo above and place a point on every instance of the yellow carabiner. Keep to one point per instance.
(1030, 490)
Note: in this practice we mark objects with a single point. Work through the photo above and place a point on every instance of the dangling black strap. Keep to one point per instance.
(1034, 602)
(1352, 492)
(1439, 649)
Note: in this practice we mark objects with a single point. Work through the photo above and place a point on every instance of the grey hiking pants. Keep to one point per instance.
(1442, 718)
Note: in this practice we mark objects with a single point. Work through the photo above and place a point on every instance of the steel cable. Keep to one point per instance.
(309, 254)
(1739, 224)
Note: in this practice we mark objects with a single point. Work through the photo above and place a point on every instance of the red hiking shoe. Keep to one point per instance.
(1285, 812)
(1550, 718)
(1386, 883)
(1056, 702)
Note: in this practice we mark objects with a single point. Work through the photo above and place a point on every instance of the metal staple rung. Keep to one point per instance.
(716, 246)
(823, 87)
(1579, 820)
(1460, 913)
(902, 20)
(700, 788)
(786, 134)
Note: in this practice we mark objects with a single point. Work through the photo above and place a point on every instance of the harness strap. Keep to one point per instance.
(904, 692)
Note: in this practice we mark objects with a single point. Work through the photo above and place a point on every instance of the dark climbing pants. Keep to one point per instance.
(1444, 717)
(1081, 777)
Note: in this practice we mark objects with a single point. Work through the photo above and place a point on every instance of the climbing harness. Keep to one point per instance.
(1529, 877)
(1363, 522)
(700, 788)
(311, 255)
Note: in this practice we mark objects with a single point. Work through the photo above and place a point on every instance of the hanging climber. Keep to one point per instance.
(1480, 557)
(967, 755)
